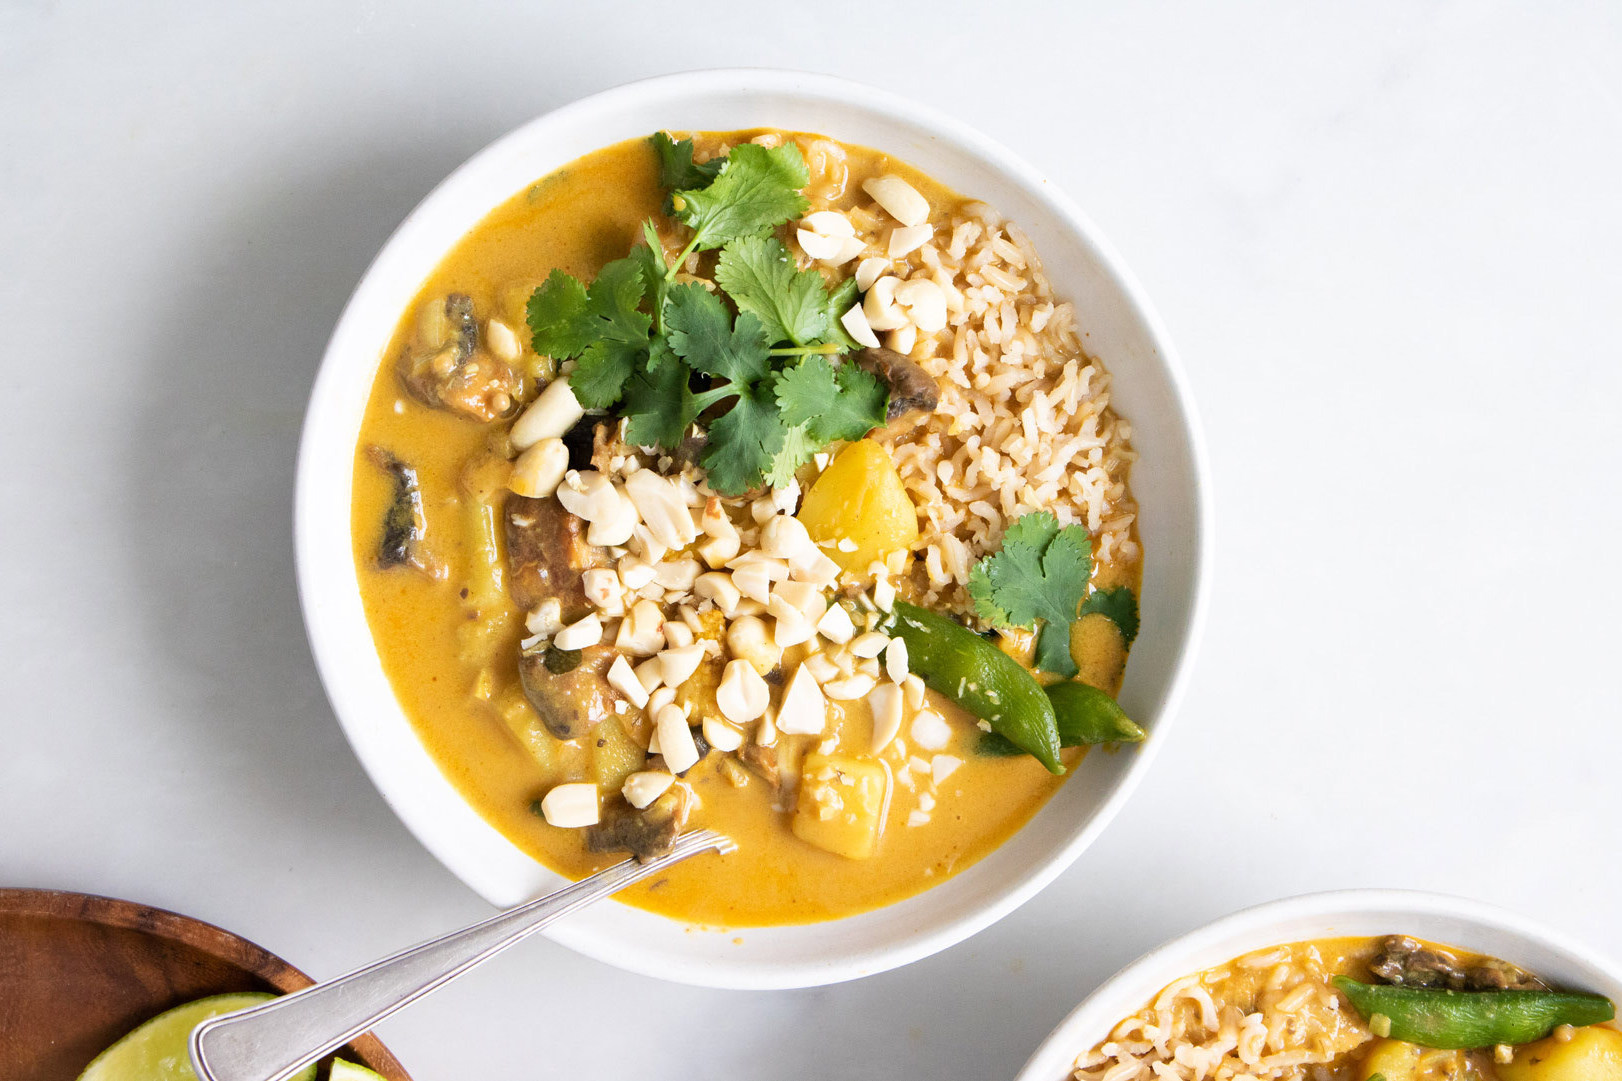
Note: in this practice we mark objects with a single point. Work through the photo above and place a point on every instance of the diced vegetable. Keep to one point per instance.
(1592, 1054)
(551, 754)
(614, 755)
(1391, 1060)
(981, 678)
(842, 803)
(1469, 1019)
(858, 506)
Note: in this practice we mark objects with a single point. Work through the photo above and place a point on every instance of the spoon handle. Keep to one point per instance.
(274, 1041)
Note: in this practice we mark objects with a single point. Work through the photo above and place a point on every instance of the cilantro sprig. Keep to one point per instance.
(755, 361)
(1039, 575)
(1120, 607)
(757, 189)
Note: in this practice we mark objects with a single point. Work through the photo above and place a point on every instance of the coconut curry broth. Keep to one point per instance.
(449, 639)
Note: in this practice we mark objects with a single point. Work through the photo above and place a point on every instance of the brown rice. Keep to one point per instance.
(1024, 421)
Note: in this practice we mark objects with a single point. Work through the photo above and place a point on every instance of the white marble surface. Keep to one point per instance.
(1387, 242)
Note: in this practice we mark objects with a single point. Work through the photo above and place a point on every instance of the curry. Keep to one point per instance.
(655, 552)
(1362, 1009)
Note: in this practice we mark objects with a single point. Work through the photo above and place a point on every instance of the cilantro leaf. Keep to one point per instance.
(677, 170)
(797, 449)
(1053, 651)
(614, 298)
(658, 406)
(601, 371)
(840, 299)
(1118, 605)
(833, 403)
(566, 318)
(1040, 573)
(558, 323)
(760, 276)
(743, 441)
(756, 190)
(704, 334)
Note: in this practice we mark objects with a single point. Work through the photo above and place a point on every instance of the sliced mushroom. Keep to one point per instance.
(645, 834)
(911, 388)
(763, 760)
(546, 555)
(571, 695)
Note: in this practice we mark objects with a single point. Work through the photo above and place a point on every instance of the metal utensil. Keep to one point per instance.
(274, 1041)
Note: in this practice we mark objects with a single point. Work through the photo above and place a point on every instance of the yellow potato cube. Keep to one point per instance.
(858, 505)
(1592, 1054)
(1394, 1060)
(842, 803)
(614, 755)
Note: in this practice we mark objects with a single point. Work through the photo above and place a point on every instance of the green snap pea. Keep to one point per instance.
(1462, 1020)
(1084, 714)
(981, 678)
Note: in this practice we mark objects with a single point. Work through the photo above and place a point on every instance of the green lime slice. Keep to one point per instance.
(157, 1050)
(348, 1071)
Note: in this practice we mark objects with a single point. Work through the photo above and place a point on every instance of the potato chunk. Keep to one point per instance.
(614, 756)
(1592, 1054)
(842, 803)
(859, 499)
(1394, 1060)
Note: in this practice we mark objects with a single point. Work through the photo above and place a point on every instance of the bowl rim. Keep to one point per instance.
(1115, 998)
(1015, 890)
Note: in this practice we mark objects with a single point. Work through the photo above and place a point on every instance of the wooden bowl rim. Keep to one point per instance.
(215, 941)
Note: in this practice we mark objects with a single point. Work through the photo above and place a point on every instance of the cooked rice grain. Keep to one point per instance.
(1024, 421)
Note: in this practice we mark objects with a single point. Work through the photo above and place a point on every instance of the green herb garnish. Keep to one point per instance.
(1120, 607)
(762, 368)
(831, 403)
(1040, 573)
(677, 170)
(760, 277)
(756, 190)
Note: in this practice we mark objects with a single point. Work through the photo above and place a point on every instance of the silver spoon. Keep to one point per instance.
(274, 1041)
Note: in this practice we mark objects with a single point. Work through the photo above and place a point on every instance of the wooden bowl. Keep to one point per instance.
(77, 972)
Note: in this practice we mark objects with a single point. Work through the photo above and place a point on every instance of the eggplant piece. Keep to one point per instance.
(546, 554)
(405, 527)
(912, 390)
(571, 700)
(444, 369)
(763, 760)
(646, 834)
(580, 441)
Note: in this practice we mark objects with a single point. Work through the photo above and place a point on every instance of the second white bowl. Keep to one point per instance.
(1451, 921)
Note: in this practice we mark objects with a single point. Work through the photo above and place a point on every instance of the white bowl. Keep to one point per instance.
(1169, 482)
(1451, 921)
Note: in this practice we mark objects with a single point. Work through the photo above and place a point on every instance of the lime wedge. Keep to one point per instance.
(348, 1071)
(157, 1050)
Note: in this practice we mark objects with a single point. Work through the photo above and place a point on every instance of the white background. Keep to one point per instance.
(1387, 240)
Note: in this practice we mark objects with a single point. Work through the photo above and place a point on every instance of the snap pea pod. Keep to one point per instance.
(1461, 1020)
(981, 678)
(1085, 715)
